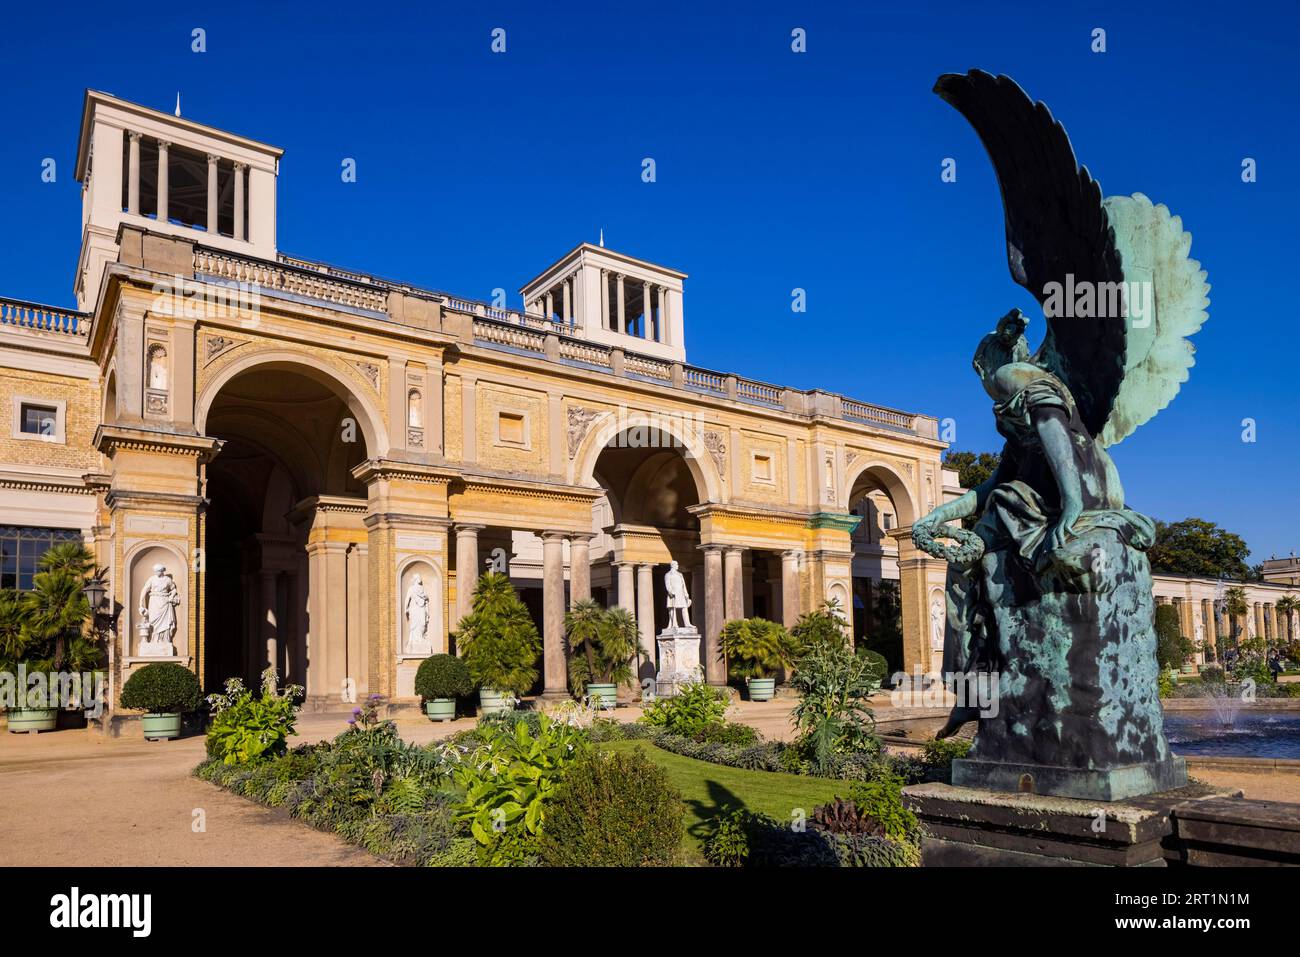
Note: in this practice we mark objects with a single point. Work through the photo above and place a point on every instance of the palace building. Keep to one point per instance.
(295, 442)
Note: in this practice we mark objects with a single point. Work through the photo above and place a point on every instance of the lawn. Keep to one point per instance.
(708, 789)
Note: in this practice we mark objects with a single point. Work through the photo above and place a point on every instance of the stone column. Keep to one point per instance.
(789, 587)
(735, 601)
(645, 618)
(646, 320)
(162, 180)
(626, 586)
(604, 299)
(270, 621)
(579, 568)
(1207, 628)
(1259, 619)
(133, 175)
(554, 668)
(715, 669)
(549, 310)
(622, 314)
(239, 200)
(467, 569)
(212, 193)
(568, 301)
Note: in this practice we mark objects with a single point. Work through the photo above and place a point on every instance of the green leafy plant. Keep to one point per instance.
(163, 687)
(832, 716)
(46, 627)
(755, 647)
(613, 810)
(824, 626)
(728, 843)
(1172, 648)
(882, 800)
(938, 755)
(498, 640)
(508, 781)
(246, 729)
(602, 645)
(879, 666)
(695, 706)
(443, 676)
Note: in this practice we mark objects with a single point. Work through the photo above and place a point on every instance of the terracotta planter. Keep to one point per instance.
(441, 709)
(32, 720)
(762, 689)
(161, 727)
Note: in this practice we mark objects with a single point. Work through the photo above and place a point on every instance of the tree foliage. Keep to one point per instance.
(1201, 549)
(1172, 648)
(498, 640)
(602, 644)
(972, 468)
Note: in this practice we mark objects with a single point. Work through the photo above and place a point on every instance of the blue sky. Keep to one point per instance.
(775, 170)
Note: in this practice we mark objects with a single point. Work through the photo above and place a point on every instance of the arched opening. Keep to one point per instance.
(881, 501)
(285, 544)
(641, 522)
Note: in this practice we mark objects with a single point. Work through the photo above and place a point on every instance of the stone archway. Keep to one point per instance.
(892, 582)
(286, 546)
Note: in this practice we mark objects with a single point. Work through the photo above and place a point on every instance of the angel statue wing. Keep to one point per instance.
(1120, 346)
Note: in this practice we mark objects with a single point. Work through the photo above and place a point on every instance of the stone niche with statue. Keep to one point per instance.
(157, 608)
(419, 617)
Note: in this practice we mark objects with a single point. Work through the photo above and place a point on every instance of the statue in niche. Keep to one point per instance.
(1049, 598)
(158, 368)
(679, 600)
(159, 599)
(417, 618)
(414, 416)
(936, 623)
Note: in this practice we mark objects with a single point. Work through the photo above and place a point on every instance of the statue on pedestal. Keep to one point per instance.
(678, 598)
(1050, 594)
(417, 618)
(159, 599)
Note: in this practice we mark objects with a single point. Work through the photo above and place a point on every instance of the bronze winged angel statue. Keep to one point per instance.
(1051, 591)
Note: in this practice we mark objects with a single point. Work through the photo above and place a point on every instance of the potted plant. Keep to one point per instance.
(499, 644)
(440, 680)
(164, 691)
(756, 648)
(602, 646)
(44, 629)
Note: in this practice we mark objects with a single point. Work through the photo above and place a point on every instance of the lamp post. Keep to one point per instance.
(95, 589)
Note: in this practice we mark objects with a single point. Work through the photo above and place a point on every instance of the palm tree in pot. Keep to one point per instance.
(499, 644)
(602, 645)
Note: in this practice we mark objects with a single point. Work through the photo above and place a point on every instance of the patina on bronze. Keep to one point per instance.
(1055, 596)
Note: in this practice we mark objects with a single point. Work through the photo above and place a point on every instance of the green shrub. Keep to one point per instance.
(443, 676)
(1172, 649)
(743, 838)
(162, 688)
(824, 627)
(833, 716)
(245, 728)
(937, 755)
(1166, 683)
(1212, 674)
(755, 647)
(603, 644)
(727, 732)
(728, 843)
(883, 800)
(613, 810)
(498, 640)
(695, 706)
(509, 780)
(864, 850)
(879, 666)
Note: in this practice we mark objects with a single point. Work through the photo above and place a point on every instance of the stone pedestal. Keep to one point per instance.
(974, 827)
(679, 660)
(1087, 784)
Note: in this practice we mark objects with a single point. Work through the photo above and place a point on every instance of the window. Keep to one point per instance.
(38, 419)
(21, 548)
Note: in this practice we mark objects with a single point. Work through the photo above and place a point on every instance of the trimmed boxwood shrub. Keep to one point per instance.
(162, 688)
(613, 810)
(443, 676)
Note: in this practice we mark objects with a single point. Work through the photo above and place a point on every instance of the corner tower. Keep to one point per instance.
(142, 167)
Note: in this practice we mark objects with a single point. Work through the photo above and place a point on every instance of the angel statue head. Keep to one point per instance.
(1005, 344)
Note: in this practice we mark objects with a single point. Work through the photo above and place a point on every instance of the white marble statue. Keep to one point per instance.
(417, 617)
(158, 601)
(678, 598)
(936, 623)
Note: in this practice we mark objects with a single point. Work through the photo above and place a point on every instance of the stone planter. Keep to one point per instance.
(161, 727)
(32, 720)
(762, 689)
(603, 696)
(441, 709)
(491, 701)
